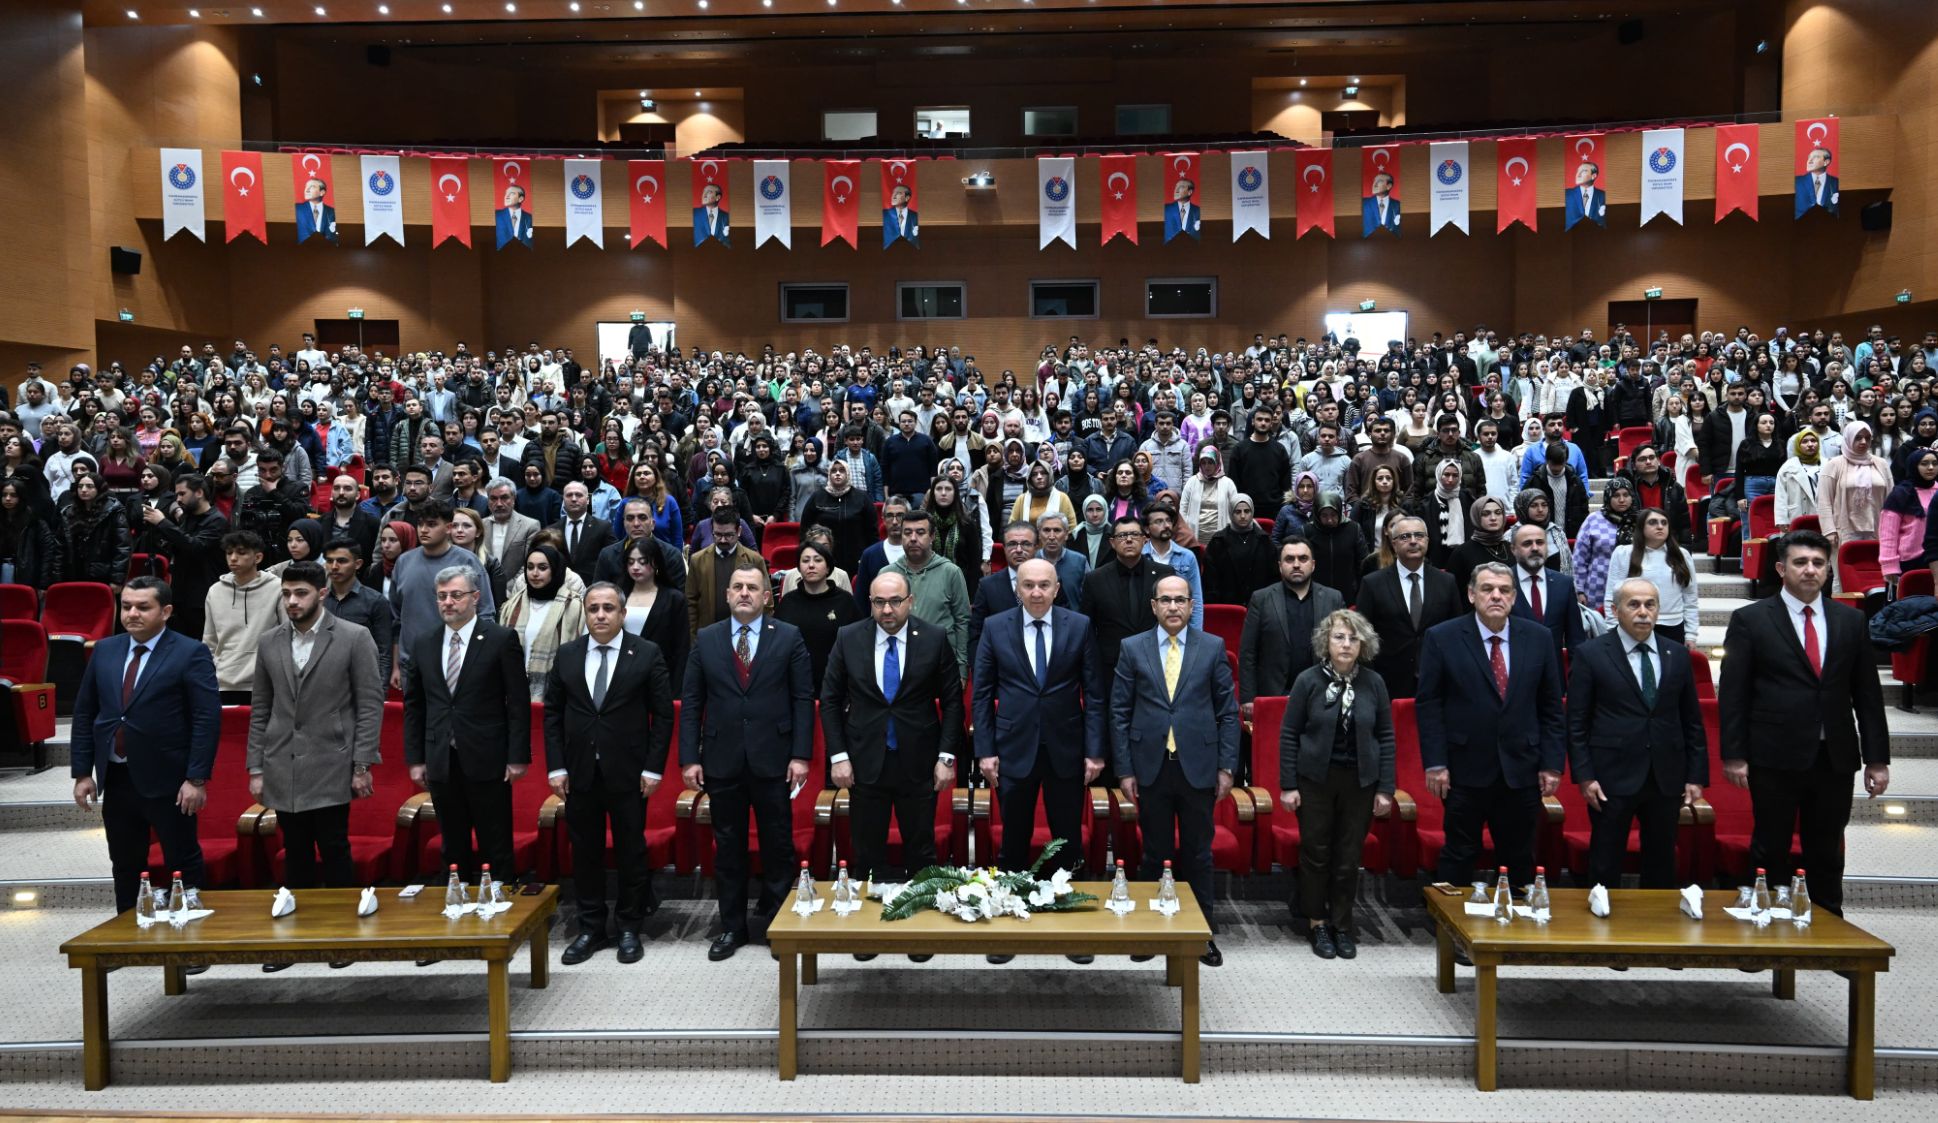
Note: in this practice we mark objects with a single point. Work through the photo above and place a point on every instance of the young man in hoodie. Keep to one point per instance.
(242, 606)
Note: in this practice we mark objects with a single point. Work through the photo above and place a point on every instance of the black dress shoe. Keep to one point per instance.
(923, 958)
(630, 949)
(583, 948)
(272, 968)
(865, 956)
(724, 945)
(1321, 941)
(428, 962)
(1142, 958)
(1212, 956)
(340, 964)
(195, 969)
(1460, 958)
(1086, 959)
(998, 960)
(1343, 941)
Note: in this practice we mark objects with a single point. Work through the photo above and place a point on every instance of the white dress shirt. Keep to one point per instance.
(901, 655)
(1487, 646)
(301, 644)
(592, 651)
(1795, 607)
(464, 635)
(1654, 644)
(1536, 580)
(1029, 637)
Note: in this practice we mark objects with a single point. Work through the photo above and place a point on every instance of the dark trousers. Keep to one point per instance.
(1812, 804)
(731, 801)
(1608, 842)
(482, 806)
(1509, 813)
(1333, 816)
(908, 791)
(1175, 819)
(237, 697)
(587, 811)
(1063, 808)
(305, 833)
(129, 817)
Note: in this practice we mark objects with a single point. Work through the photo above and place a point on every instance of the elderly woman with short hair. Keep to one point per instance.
(1336, 772)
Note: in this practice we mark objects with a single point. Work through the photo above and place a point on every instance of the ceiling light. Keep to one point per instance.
(383, 9)
(511, 7)
(195, 13)
(643, 93)
(574, 5)
(447, 9)
(703, 4)
(132, 14)
(696, 93)
(320, 11)
(1301, 83)
(1354, 79)
(1894, 809)
(639, 5)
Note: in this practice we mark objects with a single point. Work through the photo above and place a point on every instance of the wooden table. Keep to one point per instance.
(1647, 928)
(1093, 930)
(324, 928)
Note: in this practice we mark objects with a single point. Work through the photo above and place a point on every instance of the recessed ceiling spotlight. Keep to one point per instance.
(320, 11)
(574, 5)
(696, 93)
(511, 7)
(195, 13)
(1355, 79)
(1301, 83)
(132, 14)
(256, 12)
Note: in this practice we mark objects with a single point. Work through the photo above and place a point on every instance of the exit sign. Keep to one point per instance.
(1904, 297)
(1652, 294)
(639, 317)
(127, 317)
(356, 313)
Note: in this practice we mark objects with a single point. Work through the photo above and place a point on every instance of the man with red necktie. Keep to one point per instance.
(1801, 710)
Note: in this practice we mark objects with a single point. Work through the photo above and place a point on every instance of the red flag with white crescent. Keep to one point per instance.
(1736, 170)
(841, 198)
(1375, 162)
(1515, 187)
(305, 169)
(1313, 174)
(450, 200)
(507, 174)
(1117, 197)
(242, 209)
(1817, 167)
(646, 195)
(899, 173)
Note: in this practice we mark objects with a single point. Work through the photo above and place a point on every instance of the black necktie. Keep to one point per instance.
(599, 683)
(1414, 606)
(1042, 656)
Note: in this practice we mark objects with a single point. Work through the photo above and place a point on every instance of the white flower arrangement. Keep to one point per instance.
(972, 894)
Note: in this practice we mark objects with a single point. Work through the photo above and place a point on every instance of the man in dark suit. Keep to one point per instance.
(746, 737)
(585, 536)
(147, 719)
(1174, 732)
(1491, 726)
(886, 679)
(1585, 199)
(1816, 187)
(1117, 595)
(608, 723)
(1801, 710)
(996, 593)
(1544, 595)
(1279, 621)
(710, 217)
(1405, 600)
(1635, 739)
(468, 725)
(313, 214)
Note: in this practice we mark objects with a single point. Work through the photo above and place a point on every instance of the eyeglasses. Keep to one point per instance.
(1410, 536)
(1172, 602)
(887, 602)
(1128, 535)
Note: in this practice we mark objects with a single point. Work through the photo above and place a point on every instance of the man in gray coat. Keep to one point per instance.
(316, 706)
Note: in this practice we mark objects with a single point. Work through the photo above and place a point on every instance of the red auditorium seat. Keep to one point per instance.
(1721, 529)
(782, 557)
(379, 836)
(1858, 571)
(79, 611)
(150, 565)
(1759, 561)
(1418, 833)
(1275, 831)
(1563, 844)
(951, 813)
(776, 535)
(669, 833)
(19, 602)
(1699, 666)
(1723, 816)
(1631, 437)
(227, 824)
(1227, 622)
(1696, 492)
(986, 818)
(1912, 666)
(23, 673)
(813, 822)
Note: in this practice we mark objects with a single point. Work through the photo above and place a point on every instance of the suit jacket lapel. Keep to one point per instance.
(1472, 642)
(473, 655)
(149, 663)
(1780, 612)
(325, 631)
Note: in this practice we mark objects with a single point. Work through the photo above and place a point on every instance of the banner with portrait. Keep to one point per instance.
(901, 203)
(511, 194)
(1583, 193)
(1817, 169)
(1182, 213)
(1379, 190)
(710, 213)
(315, 186)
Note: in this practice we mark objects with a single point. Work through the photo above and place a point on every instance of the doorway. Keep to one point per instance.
(366, 334)
(1648, 319)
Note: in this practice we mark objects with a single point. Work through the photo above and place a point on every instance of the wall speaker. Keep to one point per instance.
(1629, 32)
(124, 260)
(377, 54)
(1876, 216)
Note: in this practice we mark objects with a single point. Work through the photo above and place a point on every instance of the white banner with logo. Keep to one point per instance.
(383, 200)
(585, 203)
(773, 203)
(1251, 194)
(183, 207)
(1662, 161)
(1056, 201)
(1453, 174)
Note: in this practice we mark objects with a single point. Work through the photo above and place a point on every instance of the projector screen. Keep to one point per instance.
(1373, 329)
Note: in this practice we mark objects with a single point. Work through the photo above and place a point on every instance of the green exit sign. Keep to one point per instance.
(356, 313)
(1366, 305)
(639, 317)
(127, 317)
(1904, 297)
(1652, 294)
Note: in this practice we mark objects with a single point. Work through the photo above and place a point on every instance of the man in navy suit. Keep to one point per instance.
(1181, 214)
(996, 593)
(1636, 744)
(1584, 199)
(1816, 187)
(313, 215)
(513, 220)
(899, 220)
(1492, 726)
(1174, 729)
(1380, 210)
(147, 720)
(746, 736)
(710, 218)
(1544, 595)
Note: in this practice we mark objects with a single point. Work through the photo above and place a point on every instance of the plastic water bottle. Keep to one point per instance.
(844, 890)
(145, 903)
(1538, 905)
(486, 889)
(1167, 889)
(1760, 894)
(804, 885)
(177, 900)
(454, 891)
(1800, 901)
(1503, 898)
(1120, 886)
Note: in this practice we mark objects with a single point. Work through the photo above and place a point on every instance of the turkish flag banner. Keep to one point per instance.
(1517, 197)
(711, 206)
(1817, 168)
(1736, 170)
(315, 191)
(1314, 179)
(1376, 162)
(899, 173)
(450, 200)
(841, 199)
(1117, 197)
(1183, 207)
(646, 201)
(507, 174)
(1379, 209)
(242, 209)
(1583, 192)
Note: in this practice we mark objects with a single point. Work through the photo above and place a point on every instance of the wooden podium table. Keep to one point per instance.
(1647, 928)
(1092, 930)
(324, 928)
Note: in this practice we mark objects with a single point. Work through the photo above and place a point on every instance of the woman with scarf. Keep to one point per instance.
(1486, 533)
(546, 610)
(847, 514)
(817, 605)
(1092, 537)
(304, 541)
(1588, 419)
(1851, 491)
(1611, 526)
(1796, 493)
(396, 539)
(806, 473)
(1298, 508)
(1041, 498)
(1075, 480)
(957, 530)
(1205, 504)
(1902, 530)
(1444, 509)
(1532, 507)
(1923, 434)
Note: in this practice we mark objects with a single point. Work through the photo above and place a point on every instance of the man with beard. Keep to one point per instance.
(347, 518)
(194, 542)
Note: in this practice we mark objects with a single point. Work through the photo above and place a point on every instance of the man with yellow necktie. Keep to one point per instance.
(1174, 732)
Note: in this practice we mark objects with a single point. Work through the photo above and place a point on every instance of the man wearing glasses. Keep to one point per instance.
(1402, 601)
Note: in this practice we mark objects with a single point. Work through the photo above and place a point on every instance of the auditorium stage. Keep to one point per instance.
(1284, 1033)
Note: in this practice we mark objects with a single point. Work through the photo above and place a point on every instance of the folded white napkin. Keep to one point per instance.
(367, 904)
(284, 904)
(1598, 900)
(1692, 901)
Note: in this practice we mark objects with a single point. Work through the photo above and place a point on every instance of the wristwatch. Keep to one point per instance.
(198, 783)
(360, 769)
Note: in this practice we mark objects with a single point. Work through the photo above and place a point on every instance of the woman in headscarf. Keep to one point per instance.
(393, 541)
(1851, 491)
(546, 610)
(1611, 526)
(1205, 503)
(1075, 480)
(304, 542)
(1444, 509)
(1797, 480)
(1040, 497)
(1092, 538)
(806, 472)
(1903, 527)
(817, 606)
(1924, 434)
(1486, 541)
(1532, 507)
(846, 512)
(1299, 507)
(958, 533)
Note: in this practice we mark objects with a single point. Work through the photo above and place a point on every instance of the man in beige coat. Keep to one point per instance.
(316, 708)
